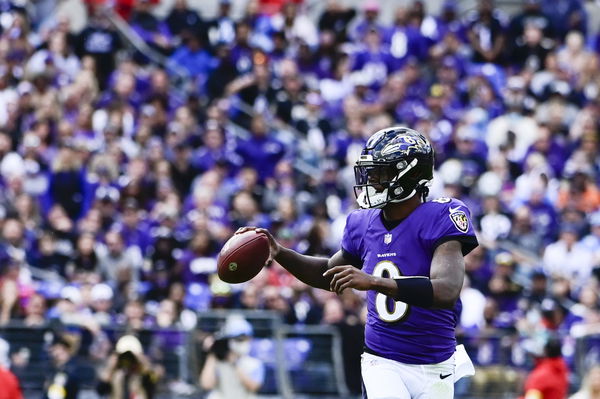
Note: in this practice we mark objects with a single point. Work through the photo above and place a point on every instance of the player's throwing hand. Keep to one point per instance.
(348, 276)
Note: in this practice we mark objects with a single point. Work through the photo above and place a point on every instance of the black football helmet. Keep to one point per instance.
(396, 164)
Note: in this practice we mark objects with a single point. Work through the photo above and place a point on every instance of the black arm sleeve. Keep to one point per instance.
(416, 291)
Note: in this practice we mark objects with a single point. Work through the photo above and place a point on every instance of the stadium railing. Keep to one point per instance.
(300, 361)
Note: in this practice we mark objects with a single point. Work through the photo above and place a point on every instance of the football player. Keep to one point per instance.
(407, 253)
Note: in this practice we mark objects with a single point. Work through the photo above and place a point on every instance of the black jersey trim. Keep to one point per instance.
(468, 242)
(352, 259)
(389, 224)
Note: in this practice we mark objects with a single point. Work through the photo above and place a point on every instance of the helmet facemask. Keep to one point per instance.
(379, 183)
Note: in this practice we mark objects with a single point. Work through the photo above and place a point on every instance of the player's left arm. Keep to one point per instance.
(447, 274)
(440, 290)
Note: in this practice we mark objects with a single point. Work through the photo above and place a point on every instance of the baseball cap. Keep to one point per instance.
(235, 326)
(101, 292)
(71, 293)
(129, 343)
(505, 259)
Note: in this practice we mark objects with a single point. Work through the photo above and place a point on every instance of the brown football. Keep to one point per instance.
(242, 257)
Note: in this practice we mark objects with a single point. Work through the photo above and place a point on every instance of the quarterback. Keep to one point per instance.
(407, 253)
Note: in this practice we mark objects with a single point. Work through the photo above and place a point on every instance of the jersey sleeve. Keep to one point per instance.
(450, 220)
(352, 240)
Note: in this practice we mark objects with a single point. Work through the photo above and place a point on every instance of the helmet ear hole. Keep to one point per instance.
(398, 191)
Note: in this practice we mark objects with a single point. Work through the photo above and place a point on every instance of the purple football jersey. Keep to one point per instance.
(395, 330)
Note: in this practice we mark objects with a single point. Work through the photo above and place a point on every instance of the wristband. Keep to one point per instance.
(416, 291)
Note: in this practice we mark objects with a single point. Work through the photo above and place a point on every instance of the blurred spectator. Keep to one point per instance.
(116, 262)
(229, 371)
(48, 256)
(367, 22)
(66, 182)
(588, 308)
(502, 287)
(57, 58)
(193, 57)
(580, 193)
(102, 43)
(590, 388)
(101, 303)
(86, 259)
(573, 56)
(514, 131)
(352, 331)
(128, 372)
(550, 377)
(523, 233)
(568, 258)
(486, 33)
(565, 15)
(8, 381)
(262, 151)
(532, 15)
(336, 18)
(556, 317)
(297, 26)
(184, 19)
(154, 32)
(538, 290)
(221, 30)
(592, 240)
(531, 48)
(10, 291)
(35, 311)
(64, 375)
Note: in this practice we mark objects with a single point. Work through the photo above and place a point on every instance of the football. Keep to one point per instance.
(243, 256)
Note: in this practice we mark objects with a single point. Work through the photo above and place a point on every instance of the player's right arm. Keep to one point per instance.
(308, 269)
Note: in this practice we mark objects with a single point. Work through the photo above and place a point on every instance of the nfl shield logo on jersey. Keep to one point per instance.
(387, 238)
(460, 220)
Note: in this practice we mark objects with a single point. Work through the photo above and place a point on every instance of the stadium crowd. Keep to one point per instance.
(121, 178)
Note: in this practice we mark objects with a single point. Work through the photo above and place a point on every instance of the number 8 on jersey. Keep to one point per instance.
(400, 309)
